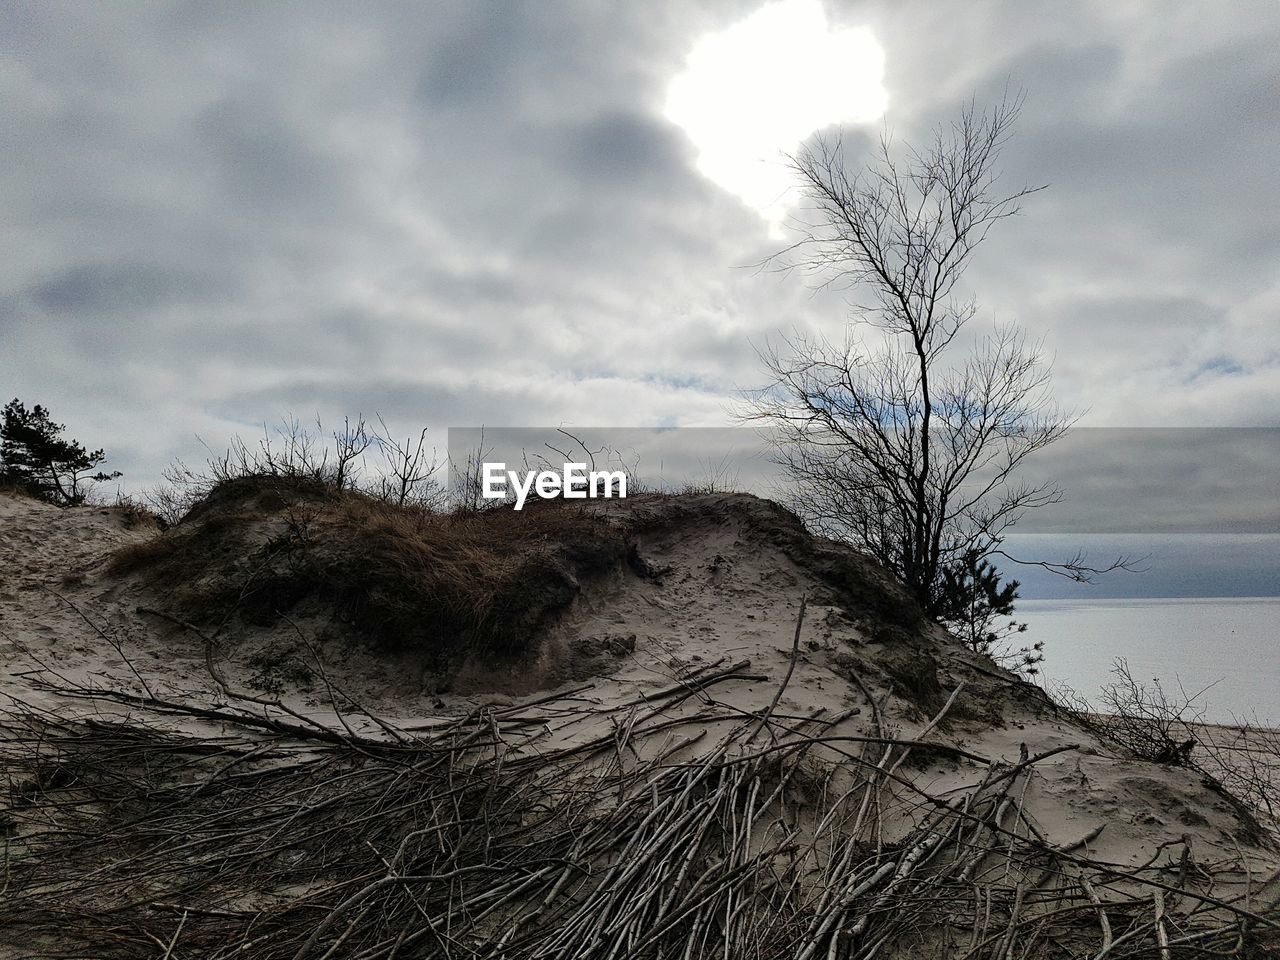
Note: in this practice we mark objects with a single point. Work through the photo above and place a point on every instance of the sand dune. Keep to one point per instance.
(693, 626)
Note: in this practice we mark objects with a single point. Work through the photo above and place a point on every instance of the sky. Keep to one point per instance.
(1195, 512)
(527, 213)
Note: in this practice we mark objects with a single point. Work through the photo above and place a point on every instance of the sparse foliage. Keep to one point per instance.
(1245, 759)
(466, 478)
(135, 513)
(1154, 723)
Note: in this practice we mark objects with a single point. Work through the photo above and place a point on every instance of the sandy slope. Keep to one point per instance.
(57, 614)
(44, 553)
(727, 586)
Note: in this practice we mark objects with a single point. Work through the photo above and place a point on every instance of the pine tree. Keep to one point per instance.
(973, 602)
(36, 458)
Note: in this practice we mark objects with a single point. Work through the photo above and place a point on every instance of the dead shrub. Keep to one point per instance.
(133, 513)
(1149, 722)
(1241, 762)
(402, 472)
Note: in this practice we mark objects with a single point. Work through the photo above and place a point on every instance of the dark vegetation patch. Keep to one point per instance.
(133, 515)
(984, 708)
(914, 675)
(277, 670)
(595, 655)
(925, 756)
(400, 578)
(465, 585)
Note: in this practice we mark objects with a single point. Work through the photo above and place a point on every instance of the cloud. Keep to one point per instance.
(217, 215)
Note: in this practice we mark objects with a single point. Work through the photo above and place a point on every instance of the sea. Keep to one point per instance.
(1222, 653)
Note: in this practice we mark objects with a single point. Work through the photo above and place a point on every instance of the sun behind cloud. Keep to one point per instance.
(752, 93)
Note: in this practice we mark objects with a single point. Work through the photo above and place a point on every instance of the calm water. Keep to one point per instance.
(1232, 644)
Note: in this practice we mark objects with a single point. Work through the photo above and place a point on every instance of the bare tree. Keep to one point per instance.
(349, 445)
(901, 438)
(411, 471)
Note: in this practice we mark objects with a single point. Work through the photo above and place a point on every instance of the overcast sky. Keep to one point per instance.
(500, 212)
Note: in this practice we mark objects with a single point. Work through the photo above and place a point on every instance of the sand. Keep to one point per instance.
(724, 596)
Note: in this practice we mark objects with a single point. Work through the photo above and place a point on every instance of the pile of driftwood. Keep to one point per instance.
(675, 826)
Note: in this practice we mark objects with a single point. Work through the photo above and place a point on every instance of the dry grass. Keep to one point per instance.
(491, 579)
(459, 588)
(135, 514)
(13, 490)
(466, 583)
(399, 577)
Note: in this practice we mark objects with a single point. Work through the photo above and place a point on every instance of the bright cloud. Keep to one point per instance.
(752, 93)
